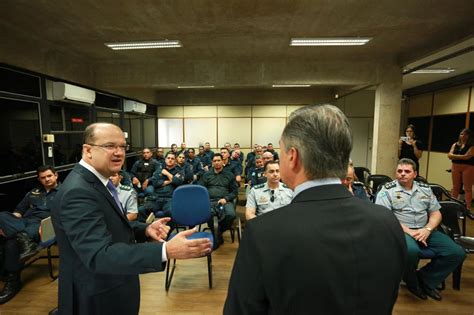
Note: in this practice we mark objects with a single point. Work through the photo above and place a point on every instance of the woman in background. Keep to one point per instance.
(462, 170)
(410, 147)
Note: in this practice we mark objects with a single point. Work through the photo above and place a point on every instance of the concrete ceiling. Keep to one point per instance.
(231, 44)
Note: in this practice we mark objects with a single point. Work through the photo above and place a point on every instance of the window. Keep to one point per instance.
(20, 143)
(108, 117)
(446, 129)
(20, 83)
(132, 126)
(67, 148)
(170, 131)
(69, 118)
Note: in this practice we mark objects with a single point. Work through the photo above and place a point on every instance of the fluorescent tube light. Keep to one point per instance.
(290, 85)
(145, 44)
(196, 86)
(327, 41)
(434, 71)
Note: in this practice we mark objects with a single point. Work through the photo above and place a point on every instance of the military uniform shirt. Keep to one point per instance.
(36, 203)
(128, 198)
(260, 198)
(410, 207)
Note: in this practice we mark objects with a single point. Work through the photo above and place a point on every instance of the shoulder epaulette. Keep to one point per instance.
(390, 185)
(36, 191)
(125, 187)
(422, 184)
(259, 186)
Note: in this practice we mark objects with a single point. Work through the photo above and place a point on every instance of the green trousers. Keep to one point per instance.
(448, 255)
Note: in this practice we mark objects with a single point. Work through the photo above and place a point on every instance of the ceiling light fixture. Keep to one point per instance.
(145, 44)
(330, 41)
(434, 71)
(290, 85)
(196, 86)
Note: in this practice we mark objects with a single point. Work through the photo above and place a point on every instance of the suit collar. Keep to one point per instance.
(99, 186)
(323, 192)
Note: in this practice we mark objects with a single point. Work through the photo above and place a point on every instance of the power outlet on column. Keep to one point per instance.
(50, 152)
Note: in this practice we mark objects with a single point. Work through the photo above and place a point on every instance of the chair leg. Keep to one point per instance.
(169, 276)
(457, 278)
(239, 229)
(50, 263)
(209, 269)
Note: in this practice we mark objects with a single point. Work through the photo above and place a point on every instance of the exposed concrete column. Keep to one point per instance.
(387, 113)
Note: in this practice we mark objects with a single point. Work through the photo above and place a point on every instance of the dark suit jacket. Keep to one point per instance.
(99, 257)
(325, 253)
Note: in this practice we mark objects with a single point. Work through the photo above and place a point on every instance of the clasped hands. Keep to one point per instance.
(179, 247)
(420, 235)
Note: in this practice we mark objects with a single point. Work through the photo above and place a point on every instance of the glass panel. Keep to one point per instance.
(150, 131)
(132, 125)
(20, 143)
(77, 119)
(56, 118)
(102, 100)
(446, 129)
(109, 117)
(67, 148)
(169, 131)
(19, 83)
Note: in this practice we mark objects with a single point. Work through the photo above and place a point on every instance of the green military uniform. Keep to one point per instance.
(412, 208)
(264, 199)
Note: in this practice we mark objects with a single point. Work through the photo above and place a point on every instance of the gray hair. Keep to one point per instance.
(322, 136)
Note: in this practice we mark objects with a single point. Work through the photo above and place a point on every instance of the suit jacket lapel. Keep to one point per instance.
(97, 185)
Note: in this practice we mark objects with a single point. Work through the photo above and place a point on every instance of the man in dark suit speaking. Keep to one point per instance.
(327, 252)
(100, 257)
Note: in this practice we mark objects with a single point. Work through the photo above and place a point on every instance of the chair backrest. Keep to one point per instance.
(449, 210)
(362, 174)
(190, 205)
(442, 193)
(376, 180)
(47, 230)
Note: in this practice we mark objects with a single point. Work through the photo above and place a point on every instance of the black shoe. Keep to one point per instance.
(54, 311)
(12, 287)
(432, 293)
(418, 292)
(27, 246)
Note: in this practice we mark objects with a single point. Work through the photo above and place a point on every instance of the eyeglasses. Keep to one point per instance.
(272, 198)
(111, 147)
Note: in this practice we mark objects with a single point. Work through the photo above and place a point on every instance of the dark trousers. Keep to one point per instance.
(228, 217)
(448, 256)
(11, 225)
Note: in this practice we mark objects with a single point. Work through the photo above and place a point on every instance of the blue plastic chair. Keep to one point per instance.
(190, 207)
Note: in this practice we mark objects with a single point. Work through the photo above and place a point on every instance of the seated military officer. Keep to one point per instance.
(142, 171)
(196, 163)
(19, 231)
(269, 196)
(256, 175)
(165, 182)
(127, 197)
(222, 189)
(416, 207)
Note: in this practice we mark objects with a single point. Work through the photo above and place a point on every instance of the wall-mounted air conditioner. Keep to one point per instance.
(71, 93)
(130, 106)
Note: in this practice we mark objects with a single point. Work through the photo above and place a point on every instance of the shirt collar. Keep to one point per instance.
(102, 178)
(315, 182)
(413, 188)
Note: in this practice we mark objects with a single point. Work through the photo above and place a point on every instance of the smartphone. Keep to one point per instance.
(404, 139)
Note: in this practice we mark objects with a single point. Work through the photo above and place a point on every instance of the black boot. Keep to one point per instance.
(27, 246)
(12, 287)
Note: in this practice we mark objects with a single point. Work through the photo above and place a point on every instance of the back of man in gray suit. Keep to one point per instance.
(327, 252)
